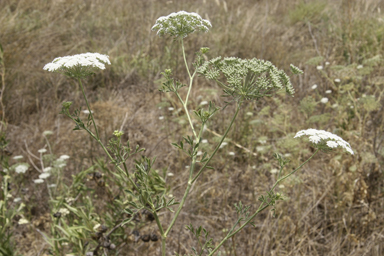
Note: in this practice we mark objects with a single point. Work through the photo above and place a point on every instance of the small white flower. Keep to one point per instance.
(319, 67)
(22, 168)
(44, 175)
(351, 106)
(327, 63)
(359, 67)
(328, 91)
(332, 144)
(18, 157)
(64, 211)
(47, 169)
(46, 133)
(337, 80)
(260, 148)
(87, 111)
(161, 117)
(52, 185)
(61, 165)
(170, 174)
(96, 227)
(204, 141)
(331, 139)
(64, 157)
(314, 86)
(324, 100)
(249, 114)
(38, 181)
(187, 167)
(274, 170)
(17, 199)
(335, 105)
(204, 102)
(287, 155)
(231, 153)
(23, 221)
(5, 170)
(171, 109)
(199, 153)
(223, 144)
(41, 151)
(281, 186)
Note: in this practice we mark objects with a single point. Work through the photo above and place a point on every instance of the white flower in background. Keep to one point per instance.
(170, 174)
(324, 100)
(46, 133)
(328, 91)
(337, 80)
(5, 170)
(331, 140)
(199, 153)
(161, 117)
(319, 67)
(61, 165)
(23, 221)
(181, 24)
(47, 169)
(327, 63)
(64, 157)
(52, 185)
(274, 170)
(18, 157)
(64, 211)
(231, 153)
(204, 141)
(335, 105)
(17, 199)
(249, 114)
(187, 167)
(223, 144)
(38, 181)
(87, 111)
(314, 87)
(359, 67)
(44, 175)
(41, 151)
(204, 102)
(22, 168)
(78, 66)
(96, 226)
(171, 109)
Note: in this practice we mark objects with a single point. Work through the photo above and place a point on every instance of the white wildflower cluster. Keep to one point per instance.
(21, 168)
(247, 78)
(319, 137)
(181, 24)
(78, 66)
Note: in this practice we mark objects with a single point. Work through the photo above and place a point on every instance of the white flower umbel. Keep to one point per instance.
(78, 66)
(324, 100)
(44, 175)
(38, 181)
(181, 24)
(325, 140)
(64, 157)
(18, 157)
(22, 168)
(41, 151)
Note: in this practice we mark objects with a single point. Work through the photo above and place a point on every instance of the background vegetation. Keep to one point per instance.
(334, 205)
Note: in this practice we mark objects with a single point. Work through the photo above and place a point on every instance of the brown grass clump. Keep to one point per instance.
(334, 204)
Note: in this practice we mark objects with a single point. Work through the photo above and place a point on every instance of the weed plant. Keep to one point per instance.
(333, 207)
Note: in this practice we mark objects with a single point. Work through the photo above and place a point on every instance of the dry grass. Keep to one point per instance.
(332, 209)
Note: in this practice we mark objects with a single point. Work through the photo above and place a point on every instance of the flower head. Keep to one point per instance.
(44, 175)
(181, 24)
(43, 150)
(38, 181)
(18, 157)
(78, 66)
(64, 157)
(324, 100)
(22, 168)
(325, 139)
(246, 79)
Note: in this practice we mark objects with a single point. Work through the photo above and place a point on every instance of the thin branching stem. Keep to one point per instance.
(219, 144)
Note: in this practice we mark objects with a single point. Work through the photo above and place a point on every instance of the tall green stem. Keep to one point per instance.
(219, 144)
(89, 108)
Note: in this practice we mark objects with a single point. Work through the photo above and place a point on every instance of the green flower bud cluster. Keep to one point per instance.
(246, 79)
